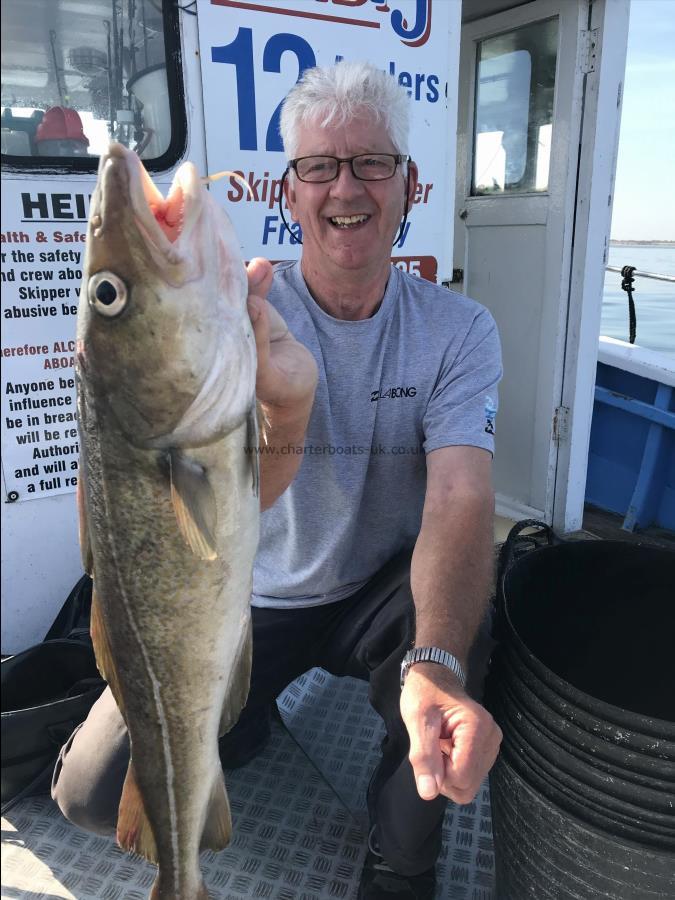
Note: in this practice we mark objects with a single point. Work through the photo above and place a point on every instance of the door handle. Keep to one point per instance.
(463, 213)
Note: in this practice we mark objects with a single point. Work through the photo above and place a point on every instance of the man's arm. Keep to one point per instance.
(453, 740)
(285, 384)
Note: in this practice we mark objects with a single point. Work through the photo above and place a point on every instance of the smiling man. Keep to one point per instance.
(348, 200)
(380, 551)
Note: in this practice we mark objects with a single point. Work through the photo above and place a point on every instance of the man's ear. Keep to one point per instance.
(413, 179)
(289, 194)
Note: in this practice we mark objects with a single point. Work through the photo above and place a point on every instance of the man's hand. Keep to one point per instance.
(286, 380)
(287, 373)
(453, 740)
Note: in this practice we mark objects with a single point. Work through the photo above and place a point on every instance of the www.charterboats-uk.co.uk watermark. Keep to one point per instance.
(336, 450)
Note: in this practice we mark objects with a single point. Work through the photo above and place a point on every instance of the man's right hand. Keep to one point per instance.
(287, 372)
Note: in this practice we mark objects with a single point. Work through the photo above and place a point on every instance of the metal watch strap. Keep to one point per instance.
(434, 655)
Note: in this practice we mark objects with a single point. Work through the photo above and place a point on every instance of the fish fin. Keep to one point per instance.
(158, 892)
(240, 681)
(85, 542)
(194, 504)
(134, 831)
(252, 437)
(264, 424)
(102, 650)
(218, 827)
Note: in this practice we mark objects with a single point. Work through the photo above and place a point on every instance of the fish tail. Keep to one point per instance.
(218, 826)
(160, 892)
(134, 831)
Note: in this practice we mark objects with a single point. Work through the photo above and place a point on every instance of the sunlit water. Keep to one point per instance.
(654, 300)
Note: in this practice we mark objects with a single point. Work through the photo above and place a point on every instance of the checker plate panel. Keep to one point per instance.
(300, 821)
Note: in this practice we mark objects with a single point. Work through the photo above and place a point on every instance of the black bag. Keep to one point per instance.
(47, 691)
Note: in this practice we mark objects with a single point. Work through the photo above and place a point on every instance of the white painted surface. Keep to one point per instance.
(40, 564)
(599, 146)
(517, 250)
(637, 360)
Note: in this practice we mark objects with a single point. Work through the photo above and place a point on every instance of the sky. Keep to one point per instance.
(644, 194)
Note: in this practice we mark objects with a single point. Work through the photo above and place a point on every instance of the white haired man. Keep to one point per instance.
(376, 541)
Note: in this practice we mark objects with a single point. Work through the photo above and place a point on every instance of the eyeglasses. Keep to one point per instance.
(365, 166)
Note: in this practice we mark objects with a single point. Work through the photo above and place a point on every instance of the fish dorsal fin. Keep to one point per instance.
(85, 542)
(218, 826)
(134, 831)
(194, 504)
(103, 651)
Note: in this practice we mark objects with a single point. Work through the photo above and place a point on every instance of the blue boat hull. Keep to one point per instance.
(631, 462)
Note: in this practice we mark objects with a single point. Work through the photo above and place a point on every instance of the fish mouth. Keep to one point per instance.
(163, 221)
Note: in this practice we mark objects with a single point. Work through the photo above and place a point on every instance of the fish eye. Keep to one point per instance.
(107, 294)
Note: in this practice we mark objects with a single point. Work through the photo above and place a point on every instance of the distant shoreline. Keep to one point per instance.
(642, 243)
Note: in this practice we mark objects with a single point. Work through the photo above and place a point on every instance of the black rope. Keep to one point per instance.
(627, 285)
(294, 237)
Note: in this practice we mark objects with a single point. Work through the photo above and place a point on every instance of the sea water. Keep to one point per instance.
(654, 300)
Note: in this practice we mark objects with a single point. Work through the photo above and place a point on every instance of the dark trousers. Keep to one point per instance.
(364, 636)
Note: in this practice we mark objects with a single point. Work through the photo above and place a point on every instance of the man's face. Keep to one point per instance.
(366, 244)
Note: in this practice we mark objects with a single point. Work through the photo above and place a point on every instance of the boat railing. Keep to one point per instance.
(638, 273)
(628, 276)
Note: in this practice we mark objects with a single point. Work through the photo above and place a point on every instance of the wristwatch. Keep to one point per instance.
(434, 655)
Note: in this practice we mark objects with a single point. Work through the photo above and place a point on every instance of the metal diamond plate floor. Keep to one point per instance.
(299, 813)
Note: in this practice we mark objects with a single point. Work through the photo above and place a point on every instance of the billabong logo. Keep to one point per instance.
(490, 413)
(392, 393)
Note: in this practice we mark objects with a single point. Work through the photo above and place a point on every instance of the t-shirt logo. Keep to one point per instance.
(392, 393)
(490, 412)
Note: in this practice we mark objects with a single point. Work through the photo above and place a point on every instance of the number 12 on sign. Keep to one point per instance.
(239, 53)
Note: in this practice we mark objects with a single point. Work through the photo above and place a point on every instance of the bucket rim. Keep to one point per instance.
(633, 720)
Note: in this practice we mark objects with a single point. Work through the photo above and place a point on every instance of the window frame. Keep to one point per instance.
(60, 165)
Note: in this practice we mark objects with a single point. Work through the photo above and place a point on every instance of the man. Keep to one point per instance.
(376, 538)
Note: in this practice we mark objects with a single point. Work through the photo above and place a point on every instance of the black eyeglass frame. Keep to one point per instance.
(397, 157)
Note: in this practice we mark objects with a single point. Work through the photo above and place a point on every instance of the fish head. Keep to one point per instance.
(165, 344)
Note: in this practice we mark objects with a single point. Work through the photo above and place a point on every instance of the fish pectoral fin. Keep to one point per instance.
(252, 439)
(103, 651)
(194, 504)
(240, 681)
(264, 424)
(134, 831)
(218, 827)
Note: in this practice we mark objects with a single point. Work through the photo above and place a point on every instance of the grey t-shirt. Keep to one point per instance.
(420, 374)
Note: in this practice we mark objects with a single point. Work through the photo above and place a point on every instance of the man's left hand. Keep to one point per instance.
(454, 741)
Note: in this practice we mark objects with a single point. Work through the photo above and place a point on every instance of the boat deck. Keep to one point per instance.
(300, 820)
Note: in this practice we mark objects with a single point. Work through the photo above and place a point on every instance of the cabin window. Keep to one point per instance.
(515, 83)
(76, 73)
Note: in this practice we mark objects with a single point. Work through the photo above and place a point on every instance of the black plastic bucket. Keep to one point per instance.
(582, 685)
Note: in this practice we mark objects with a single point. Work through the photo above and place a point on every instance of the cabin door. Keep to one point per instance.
(520, 107)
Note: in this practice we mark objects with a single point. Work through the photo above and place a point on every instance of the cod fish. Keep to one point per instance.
(169, 506)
